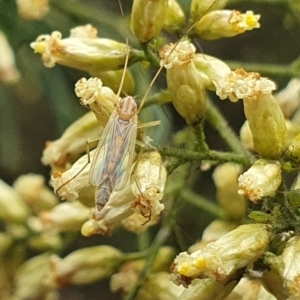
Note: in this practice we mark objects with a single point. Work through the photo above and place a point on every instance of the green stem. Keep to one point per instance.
(216, 119)
(200, 138)
(186, 155)
(202, 203)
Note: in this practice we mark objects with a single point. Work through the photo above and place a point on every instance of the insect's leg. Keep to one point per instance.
(148, 124)
(88, 142)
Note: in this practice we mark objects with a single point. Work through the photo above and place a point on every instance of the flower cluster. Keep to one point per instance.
(121, 179)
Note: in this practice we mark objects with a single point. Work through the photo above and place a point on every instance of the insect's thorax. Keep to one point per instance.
(127, 108)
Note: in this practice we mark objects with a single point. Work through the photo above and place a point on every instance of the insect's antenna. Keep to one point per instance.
(127, 55)
(161, 67)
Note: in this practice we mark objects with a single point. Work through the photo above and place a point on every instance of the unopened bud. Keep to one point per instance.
(225, 23)
(262, 179)
(64, 217)
(199, 8)
(35, 193)
(32, 9)
(175, 18)
(99, 98)
(58, 153)
(221, 259)
(225, 178)
(291, 271)
(147, 18)
(148, 184)
(85, 266)
(184, 81)
(12, 206)
(8, 70)
(31, 279)
(86, 54)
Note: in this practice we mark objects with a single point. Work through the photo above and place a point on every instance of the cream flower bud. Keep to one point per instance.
(225, 23)
(272, 277)
(289, 97)
(147, 18)
(72, 142)
(212, 70)
(225, 178)
(199, 8)
(175, 18)
(32, 9)
(35, 193)
(267, 125)
(87, 54)
(8, 70)
(12, 206)
(159, 287)
(99, 98)
(67, 216)
(85, 266)
(207, 289)
(31, 279)
(262, 110)
(262, 179)
(221, 259)
(148, 184)
(117, 208)
(291, 271)
(184, 81)
(136, 223)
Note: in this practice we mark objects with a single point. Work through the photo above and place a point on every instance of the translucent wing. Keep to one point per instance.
(123, 168)
(99, 167)
(114, 154)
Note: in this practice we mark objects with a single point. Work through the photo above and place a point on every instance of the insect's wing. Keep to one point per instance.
(123, 169)
(99, 165)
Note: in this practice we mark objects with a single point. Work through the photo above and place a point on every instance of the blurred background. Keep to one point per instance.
(38, 103)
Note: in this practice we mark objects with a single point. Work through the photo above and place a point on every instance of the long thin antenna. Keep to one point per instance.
(127, 55)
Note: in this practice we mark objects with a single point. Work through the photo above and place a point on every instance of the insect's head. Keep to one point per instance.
(127, 108)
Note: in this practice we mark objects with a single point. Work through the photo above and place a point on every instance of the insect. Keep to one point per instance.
(111, 164)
